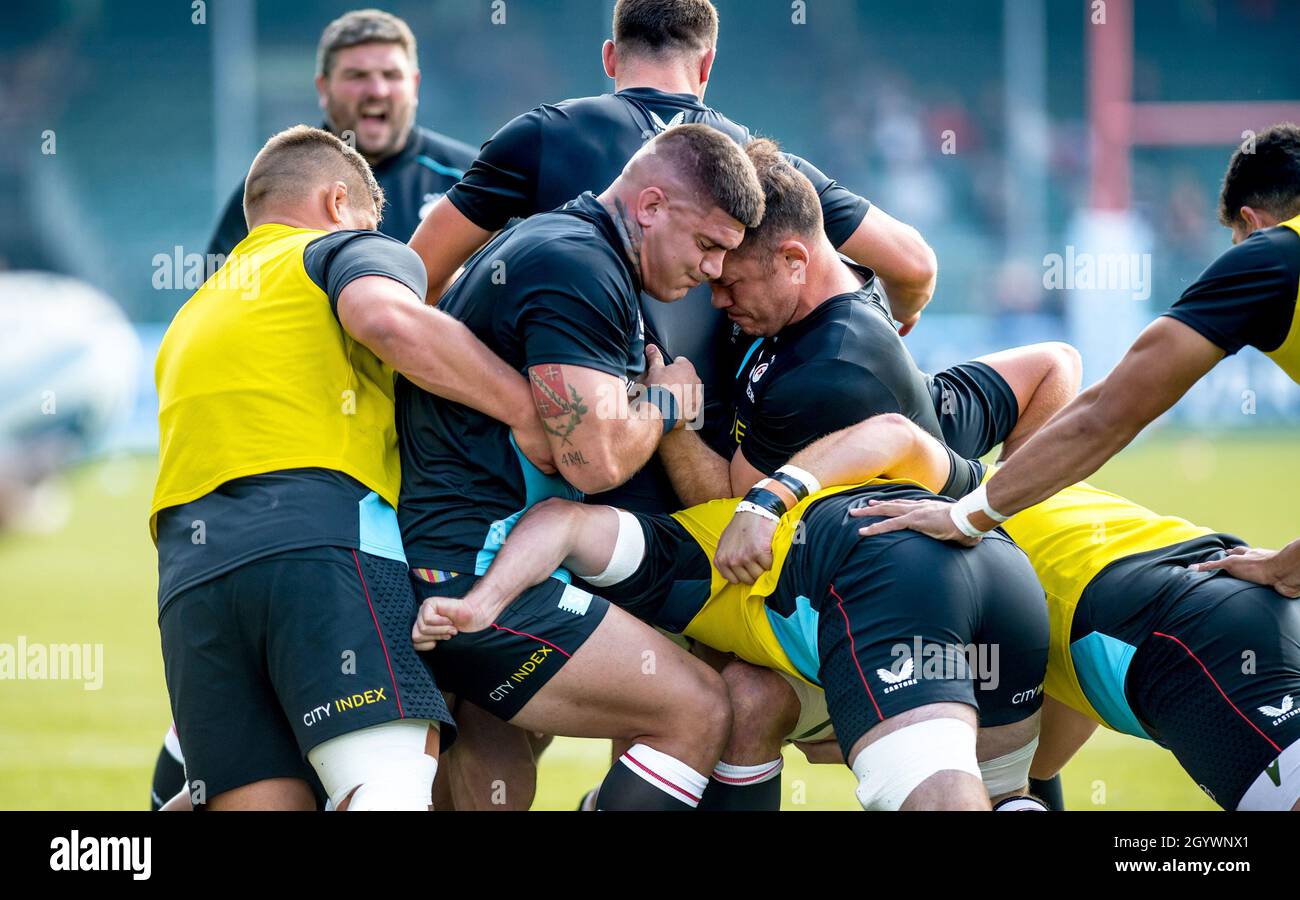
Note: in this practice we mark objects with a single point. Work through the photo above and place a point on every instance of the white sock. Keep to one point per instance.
(667, 773)
(743, 776)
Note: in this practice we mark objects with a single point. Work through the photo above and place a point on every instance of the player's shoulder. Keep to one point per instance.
(1275, 250)
(359, 247)
(447, 152)
(577, 238)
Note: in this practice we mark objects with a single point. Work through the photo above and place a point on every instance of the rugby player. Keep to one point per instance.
(368, 83)
(834, 611)
(284, 599)
(823, 354)
(1139, 643)
(558, 296)
(368, 79)
(660, 60)
(827, 356)
(1249, 296)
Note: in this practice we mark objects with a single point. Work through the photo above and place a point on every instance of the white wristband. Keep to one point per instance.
(958, 516)
(804, 476)
(973, 502)
(744, 506)
(981, 494)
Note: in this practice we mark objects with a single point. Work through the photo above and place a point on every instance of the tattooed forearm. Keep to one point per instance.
(630, 231)
(559, 404)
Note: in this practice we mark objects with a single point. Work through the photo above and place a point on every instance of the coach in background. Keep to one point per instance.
(1247, 297)
(368, 79)
(284, 599)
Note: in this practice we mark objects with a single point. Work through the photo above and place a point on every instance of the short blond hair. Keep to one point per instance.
(298, 159)
(363, 26)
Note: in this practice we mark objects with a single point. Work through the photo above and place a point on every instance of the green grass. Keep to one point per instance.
(93, 579)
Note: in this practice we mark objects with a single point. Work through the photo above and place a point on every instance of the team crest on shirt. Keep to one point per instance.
(760, 370)
(427, 203)
(900, 675)
(1280, 714)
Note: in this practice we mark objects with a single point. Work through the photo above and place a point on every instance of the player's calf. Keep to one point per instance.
(764, 710)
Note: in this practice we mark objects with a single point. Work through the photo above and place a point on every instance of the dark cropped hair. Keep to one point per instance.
(1267, 179)
(659, 26)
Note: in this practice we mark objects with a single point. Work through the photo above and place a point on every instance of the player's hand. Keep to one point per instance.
(431, 625)
(532, 442)
(819, 752)
(680, 378)
(441, 618)
(1256, 565)
(745, 548)
(905, 326)
(928, 517)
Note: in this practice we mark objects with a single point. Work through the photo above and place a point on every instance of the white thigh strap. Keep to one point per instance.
(892, 767)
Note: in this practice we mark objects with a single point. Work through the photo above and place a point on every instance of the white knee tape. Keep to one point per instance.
(386, 764)
(892, 767)
(1010, 772)
(629, 550)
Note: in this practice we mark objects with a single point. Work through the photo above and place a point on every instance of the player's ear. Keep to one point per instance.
(1250, 218)
(321, 96)
(415, 101)
(794, 255)
(609, 55)
(706, 67)
(336, 203)
(650, 204)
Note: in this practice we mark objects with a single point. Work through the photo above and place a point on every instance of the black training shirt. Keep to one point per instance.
(555, 289)
(1247, 297)
(840, 364)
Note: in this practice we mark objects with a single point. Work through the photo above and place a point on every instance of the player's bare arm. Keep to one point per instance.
(904, 262)
(886, 446)
(388, 317)
(599, 438)
(1161, 366)
(444, 240)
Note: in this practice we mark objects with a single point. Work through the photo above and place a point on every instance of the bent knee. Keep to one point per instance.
(763, 706)
(1067, 361)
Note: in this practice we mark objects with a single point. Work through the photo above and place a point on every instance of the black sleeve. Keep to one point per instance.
(1247, 297)
(964, 476)
(337, 259)
(502, 182)
(576, 310)
(842, 210)
(808, 402)
(231, 227)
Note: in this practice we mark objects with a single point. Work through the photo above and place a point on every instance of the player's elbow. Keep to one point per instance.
(914, 274)
(379, 325)
(592, 475)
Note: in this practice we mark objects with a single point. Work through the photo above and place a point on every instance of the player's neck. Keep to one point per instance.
(667, 78)
(827, 277)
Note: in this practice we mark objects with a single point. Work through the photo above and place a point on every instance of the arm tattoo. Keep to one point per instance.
(559, 404)
(630, 232)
